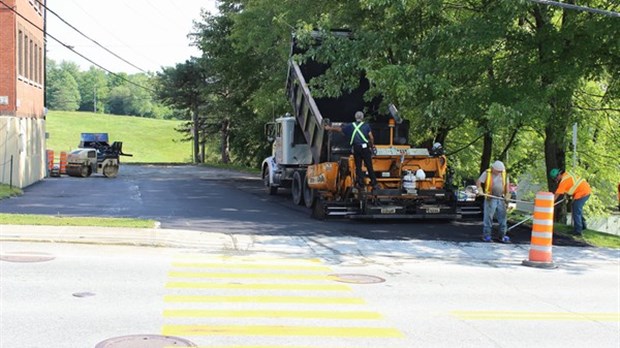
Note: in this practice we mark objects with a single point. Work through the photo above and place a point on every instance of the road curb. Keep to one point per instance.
(336, 250)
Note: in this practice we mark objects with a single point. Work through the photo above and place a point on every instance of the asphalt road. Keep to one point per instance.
(346, 292)
(207, 199)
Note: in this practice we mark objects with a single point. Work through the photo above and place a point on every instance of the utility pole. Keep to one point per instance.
(45, 56)
(95, 98)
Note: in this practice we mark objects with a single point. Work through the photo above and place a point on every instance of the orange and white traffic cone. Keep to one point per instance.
(542, 232)
(63, 162)
(50, 160)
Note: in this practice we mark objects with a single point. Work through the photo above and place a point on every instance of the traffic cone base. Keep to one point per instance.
(547, 265)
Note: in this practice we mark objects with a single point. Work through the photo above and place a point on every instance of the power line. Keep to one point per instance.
(577, 7)
(84, 35)
(111, 34)
(74, 51)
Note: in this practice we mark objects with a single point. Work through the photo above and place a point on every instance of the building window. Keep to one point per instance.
(20, 53)
(26, 56)
(31, 72)
(36, 63)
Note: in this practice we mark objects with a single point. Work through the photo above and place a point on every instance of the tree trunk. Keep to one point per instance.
(195, 133)
(487, 151)
(225, 141)
(442, 134)
(203, 147)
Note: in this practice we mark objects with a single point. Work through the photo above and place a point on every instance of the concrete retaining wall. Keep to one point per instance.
(23, 138)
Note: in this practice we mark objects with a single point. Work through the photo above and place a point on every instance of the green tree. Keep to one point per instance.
(94, 90)
(62, 88)
(64, 93)
(119, 101)
(246, 47)
(182, 88)
(142, 103)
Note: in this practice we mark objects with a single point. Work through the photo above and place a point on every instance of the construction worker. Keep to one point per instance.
(495, 181)
(577, 188)
(362, 144)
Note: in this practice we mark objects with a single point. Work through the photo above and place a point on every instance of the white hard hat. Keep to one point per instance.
(498, 165)
(420, 175)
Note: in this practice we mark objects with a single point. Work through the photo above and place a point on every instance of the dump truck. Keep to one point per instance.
(319, 168)
(95, 155)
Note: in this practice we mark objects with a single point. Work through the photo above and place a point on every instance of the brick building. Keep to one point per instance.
(22, 80)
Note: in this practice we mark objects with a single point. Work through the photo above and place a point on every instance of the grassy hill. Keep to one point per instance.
(149, 140)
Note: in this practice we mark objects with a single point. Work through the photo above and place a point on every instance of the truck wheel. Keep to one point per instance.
(309, 195)
(297, 189)
(271, 190)
(318, 210)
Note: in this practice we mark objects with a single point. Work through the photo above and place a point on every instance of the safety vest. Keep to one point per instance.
(357, 129)
(576, 182)
(489, 181)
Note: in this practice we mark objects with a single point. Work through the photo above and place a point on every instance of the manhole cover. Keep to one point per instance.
(356, 278)
(145, 341)
(26, 256)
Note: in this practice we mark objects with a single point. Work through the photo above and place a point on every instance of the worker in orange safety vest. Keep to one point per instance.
(578, 189)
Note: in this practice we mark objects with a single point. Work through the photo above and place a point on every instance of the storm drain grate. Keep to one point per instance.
(356, 278)
(26, 256)
(145, 341)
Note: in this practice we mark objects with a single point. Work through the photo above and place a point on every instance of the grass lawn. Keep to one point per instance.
(52, 220)
(595, 238)
(148, 140)
(7, 191)
(591, 237)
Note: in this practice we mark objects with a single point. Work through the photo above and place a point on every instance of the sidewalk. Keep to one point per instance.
(332, 249)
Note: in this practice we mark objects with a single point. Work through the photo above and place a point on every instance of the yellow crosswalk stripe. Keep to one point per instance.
(285, 267)
(197, 313)
(265, 299)
(250, 259)
(258, 286)
(278, 330)
(521, 315)
(174, 274)
(254, 274)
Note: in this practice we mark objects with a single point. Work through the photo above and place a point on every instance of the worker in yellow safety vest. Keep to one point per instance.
(578, 189)
(496, 184)
(362, 146)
